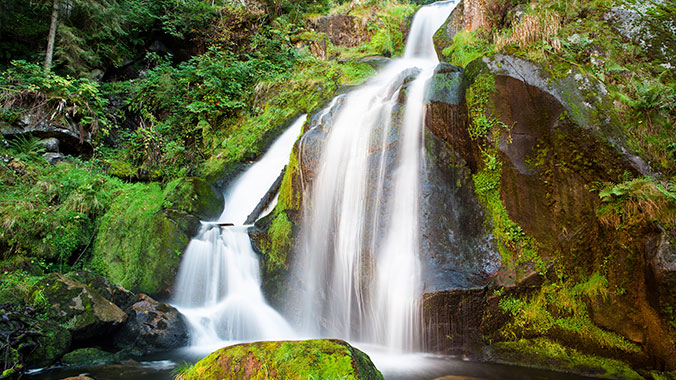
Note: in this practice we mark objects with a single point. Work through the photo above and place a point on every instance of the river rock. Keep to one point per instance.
(89, 357)
(80, 308)
(311, 359)
(152, 326)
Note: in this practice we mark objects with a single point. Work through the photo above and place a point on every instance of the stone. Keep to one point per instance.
(152, 326)
(79, 307)
(112, 292)
(91, 356)
(311, 359)
(51, 144)
(54, 158)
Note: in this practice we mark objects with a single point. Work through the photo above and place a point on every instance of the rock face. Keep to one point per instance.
(458, 250)
(152, 326)
(558, 137)
(344, 30)
(195, 196)
(71, 139)
(116, 294)
(318, 359)
(85, 313)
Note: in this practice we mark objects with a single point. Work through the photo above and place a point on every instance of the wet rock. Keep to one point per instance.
(152, 326)
(89, 357)
(83, 310)
(78, 378)
(320, 359)
(52, 342)
(661, 256)
(450, 320)
(344, 30)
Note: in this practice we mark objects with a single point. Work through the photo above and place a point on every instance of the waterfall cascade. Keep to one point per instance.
(358, 261)
(218, 284)
(359, 249)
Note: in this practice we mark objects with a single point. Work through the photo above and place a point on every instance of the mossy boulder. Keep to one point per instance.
(152, 326)
(318, 359)
(79, 308)
(52, 342)
(140, 242)
(113, 293)
(89, 356)
(193, 196)
(535, 146)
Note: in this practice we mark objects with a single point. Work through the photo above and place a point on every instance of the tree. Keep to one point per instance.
(52, 35)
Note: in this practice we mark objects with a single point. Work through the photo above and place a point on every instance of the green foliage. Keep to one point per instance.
(637, 202)
(26, 145)
(49, 212)
(25, 89)
(466, 47)
(561, 307)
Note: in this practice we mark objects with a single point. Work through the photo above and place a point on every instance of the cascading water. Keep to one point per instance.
(360, 243)
(218, 284)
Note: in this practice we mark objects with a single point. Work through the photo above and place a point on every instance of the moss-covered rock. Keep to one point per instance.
(545, 354)
(79, 308)
(52, 343)
(89, 357)
(319, 359)
(194, 196)
(113, 293)
(139, 243)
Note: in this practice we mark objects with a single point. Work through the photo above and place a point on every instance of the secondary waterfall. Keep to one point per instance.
(359, 250)
(218, 284)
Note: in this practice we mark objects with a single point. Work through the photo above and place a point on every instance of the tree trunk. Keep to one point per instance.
(52, 35)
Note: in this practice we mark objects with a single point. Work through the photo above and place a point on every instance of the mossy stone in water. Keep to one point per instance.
(312, 359)
(89, 356)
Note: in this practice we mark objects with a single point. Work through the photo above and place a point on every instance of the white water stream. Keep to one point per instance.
(359, 257)
(218, 288)
(359, 264)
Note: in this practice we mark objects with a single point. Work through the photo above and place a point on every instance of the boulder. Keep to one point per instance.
(194, 196)
(80, 308)
(113, 293)
(311, 359)
(152, 326)
(89, 357)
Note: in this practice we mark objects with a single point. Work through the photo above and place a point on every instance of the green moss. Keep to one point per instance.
(559, 309)
(515, 246)
(313, 359)
(194, 196)
(289, 198)
(543, 353)
(280, 241)
(139, 243)
(88, 357)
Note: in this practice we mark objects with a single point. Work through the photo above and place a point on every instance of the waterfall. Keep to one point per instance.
(358, 256)
(218, 288)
